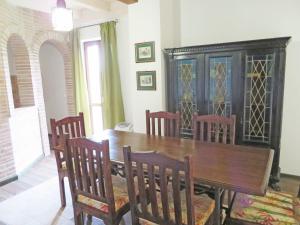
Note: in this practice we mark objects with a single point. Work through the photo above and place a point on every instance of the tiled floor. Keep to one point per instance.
(37, 174)
(39, 205)
(34, 199)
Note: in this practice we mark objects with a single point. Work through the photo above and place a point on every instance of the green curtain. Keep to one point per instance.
(113, 110)
(81, 91)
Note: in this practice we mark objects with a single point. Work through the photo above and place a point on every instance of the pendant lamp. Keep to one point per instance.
(62, 17)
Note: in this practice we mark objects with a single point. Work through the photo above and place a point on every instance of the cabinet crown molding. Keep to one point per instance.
(280, 42)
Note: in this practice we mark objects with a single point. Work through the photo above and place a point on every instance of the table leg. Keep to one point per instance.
(217, 217)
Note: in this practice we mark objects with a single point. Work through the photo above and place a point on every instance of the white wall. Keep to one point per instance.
(144, 25)
(206, 22)
(90, 33)
(26, 138)
(170, 16)
(290, 154)
(54, 85)
(124, 59)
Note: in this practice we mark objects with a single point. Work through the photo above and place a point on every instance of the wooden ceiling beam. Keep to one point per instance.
(128, 1)
(94, 5)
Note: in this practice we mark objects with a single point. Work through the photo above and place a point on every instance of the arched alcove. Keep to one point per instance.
(20, 72)
(61, 42)
(52, 65)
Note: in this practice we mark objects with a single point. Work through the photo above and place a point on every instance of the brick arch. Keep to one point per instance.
(60, 41)
(7, 103)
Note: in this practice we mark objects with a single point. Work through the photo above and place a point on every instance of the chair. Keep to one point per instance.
(94, 191)
(275, 208)
(170, 205)
(74, 127)
(171, 123)
(214, 128)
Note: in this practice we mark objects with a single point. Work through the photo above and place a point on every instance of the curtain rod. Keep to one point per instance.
(91, 25)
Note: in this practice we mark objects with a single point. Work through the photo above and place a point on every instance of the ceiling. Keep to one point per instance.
(84, 11)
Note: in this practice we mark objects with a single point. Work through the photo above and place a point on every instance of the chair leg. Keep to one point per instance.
(135, 220)
(122, 222)
(229, 198)
(210, 220)
(78, 217)
(62, 191)
(89, 219)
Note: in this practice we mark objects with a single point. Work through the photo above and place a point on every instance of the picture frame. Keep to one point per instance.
(146, 80)
(145, 52)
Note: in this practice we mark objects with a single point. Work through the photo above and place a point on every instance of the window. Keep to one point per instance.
(92, 68)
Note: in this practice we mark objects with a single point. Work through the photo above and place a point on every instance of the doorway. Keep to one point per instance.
(92, 67)
(54, 82)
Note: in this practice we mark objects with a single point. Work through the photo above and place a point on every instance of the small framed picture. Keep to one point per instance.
(145, 52)
(146, 80)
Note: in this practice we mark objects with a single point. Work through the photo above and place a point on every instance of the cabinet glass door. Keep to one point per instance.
(220, 86)
(257, 121)
(186, 99)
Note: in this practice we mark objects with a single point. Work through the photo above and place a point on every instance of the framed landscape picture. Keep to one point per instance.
(145, 52)
(146, 80)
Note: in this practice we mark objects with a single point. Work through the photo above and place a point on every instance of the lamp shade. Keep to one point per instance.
(62, 19)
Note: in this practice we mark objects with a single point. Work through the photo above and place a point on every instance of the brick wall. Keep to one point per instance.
(32, 29)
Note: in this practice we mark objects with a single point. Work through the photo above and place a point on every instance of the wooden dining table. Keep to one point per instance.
(237, 168)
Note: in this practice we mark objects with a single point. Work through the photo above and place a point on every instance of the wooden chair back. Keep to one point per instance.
(158, 167)
(72, 125)
(214, 128)
(89, 171)
(171, 123)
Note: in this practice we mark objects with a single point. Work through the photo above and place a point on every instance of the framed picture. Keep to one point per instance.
(145, 52)
(146, 80)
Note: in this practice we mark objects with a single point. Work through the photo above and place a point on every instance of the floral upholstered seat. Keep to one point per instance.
(120, 195)
(275, 208)
(203, 205)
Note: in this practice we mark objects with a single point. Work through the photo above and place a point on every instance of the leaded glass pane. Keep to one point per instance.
(187, 93)
(258, 98)
(220, 76)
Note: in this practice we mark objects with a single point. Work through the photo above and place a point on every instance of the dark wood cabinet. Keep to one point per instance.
(243, 78)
